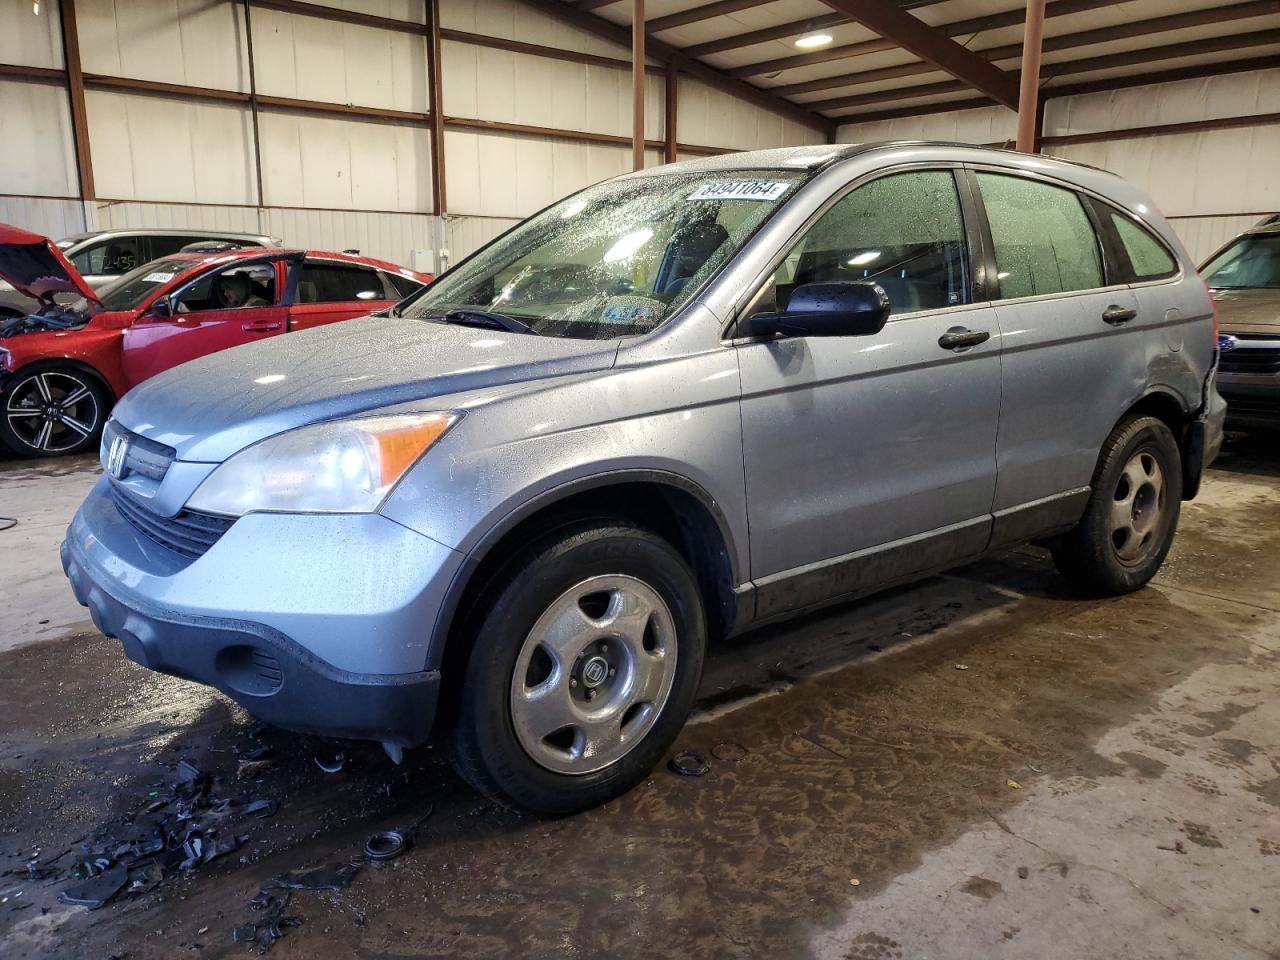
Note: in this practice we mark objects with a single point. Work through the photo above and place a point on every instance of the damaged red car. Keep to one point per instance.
(63, 367)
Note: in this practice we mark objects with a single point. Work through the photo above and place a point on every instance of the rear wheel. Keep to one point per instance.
(1128, 527)
(582, 670)
(53, 410)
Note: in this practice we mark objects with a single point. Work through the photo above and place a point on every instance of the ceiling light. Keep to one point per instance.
(813, 40)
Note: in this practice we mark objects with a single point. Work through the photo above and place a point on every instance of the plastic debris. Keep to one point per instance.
(97, 890)
(329, 876)
(729, 751)
(262, 808)
(386, 845)
(331, 762)
(690, 763)
(1013, 784)
(271, 923)
(962, 666)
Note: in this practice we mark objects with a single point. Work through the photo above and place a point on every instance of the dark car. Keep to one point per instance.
(1244, 278)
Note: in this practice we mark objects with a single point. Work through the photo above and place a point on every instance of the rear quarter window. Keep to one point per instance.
(1149, 259)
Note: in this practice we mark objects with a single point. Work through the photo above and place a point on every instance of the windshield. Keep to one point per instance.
(615, 260)
(1251, 262)
(135, 286)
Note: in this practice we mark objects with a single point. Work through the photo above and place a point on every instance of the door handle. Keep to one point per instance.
(260, 326)
(961, 338)
(1116, 315)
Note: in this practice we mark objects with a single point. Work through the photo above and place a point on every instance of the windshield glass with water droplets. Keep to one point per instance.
(615, 260)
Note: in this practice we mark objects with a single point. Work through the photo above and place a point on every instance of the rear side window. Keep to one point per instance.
(1044, 241)
(1148, 258)
(903, 231)
(337, 283)
(403, 286)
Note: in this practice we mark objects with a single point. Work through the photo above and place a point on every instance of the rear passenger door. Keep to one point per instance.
(330, 290)
(1072, 359)
(871, 458)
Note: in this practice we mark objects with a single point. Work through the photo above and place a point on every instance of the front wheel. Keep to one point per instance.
(583, 668)
(1128, 527)
(53, 410)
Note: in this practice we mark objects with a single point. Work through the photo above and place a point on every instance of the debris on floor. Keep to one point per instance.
(729, 751)
(690, 763)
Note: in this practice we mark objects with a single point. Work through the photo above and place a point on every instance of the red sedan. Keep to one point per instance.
(64, 366)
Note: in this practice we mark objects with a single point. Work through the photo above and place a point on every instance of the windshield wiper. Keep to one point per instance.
(485, 318)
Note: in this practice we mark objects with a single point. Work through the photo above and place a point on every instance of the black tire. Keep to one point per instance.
(38, 421)
(486, 749)
(1100, 554)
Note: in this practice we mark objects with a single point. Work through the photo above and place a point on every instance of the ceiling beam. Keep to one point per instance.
(1111, 61)
(621, 35)
(585, 5)
(1121, 31)
(958, 28)
(936, 47)
(696, 14)
(782, 31)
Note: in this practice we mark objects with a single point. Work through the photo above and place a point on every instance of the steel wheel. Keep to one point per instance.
(593, 674)
(1137, 505)
(53, 411)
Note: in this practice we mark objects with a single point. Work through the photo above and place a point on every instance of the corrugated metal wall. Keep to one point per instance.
(329, 182)
(1210, 184)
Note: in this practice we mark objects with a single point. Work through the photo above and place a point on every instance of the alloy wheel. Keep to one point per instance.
(52, 411)
(593, 674)
(1137, 506)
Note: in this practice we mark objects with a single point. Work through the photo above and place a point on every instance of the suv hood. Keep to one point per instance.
(35, 267)
(215, 406)
(1248, 311)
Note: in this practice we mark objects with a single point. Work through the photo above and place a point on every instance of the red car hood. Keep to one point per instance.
(36, 268)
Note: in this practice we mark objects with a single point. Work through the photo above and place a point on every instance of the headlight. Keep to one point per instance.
(343, 466)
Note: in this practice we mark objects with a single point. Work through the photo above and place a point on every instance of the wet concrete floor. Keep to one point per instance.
(981, 765)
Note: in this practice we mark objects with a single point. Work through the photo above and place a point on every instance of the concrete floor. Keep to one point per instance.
(1101, 780)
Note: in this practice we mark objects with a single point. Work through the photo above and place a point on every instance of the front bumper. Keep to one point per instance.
(315, 623)
(1253, 402)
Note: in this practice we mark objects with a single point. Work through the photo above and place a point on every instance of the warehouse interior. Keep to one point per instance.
(981, 761)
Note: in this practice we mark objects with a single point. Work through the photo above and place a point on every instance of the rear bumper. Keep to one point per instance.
(332, 648)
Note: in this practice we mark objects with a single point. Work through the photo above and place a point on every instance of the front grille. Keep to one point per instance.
(189, 534)
(142, 456)
(1242, 359)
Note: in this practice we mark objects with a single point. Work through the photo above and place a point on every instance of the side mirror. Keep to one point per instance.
(161, 308)
(831, 309)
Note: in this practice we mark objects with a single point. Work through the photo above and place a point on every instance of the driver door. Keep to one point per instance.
(871, 458)
(199, 323)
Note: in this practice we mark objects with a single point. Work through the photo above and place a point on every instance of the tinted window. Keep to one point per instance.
(332, 283)
(1147, 256)
(904, 232)
(109, 257)
(1044, 242)
(162, 246)
(1250, 262)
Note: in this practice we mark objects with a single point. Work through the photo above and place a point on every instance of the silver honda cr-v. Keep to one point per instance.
(671, 407)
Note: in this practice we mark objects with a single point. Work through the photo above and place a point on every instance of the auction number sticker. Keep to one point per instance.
(158, 277)
(741, 190)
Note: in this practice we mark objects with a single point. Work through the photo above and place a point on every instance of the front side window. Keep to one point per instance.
(1044, 241)
(1148, 257)
(234, 288)
(904, 231)
(616, 259)
(337, 283)
(1252, 262)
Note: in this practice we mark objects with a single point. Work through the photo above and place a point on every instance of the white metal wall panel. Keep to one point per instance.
(312, 161)
(50, 217)
(708, 117)
(193, 42)
(158, 148)
(513, 20)
(35, 127)
(484, 83)
(508, 175)
(30, 39)
(314, 59)
(982, 125)
(388, 236)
